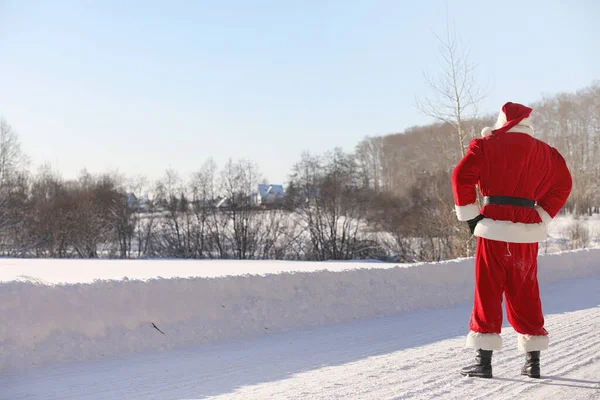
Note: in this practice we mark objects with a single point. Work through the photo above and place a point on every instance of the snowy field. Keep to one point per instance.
(566, 232)
(258, 330)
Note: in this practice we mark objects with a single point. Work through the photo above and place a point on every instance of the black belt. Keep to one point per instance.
(508, 201)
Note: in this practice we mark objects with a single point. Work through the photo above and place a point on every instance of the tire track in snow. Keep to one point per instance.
(564, 358)
(432, 371)
(507, 369)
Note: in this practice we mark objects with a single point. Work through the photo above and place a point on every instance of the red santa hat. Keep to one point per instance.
(514, 117)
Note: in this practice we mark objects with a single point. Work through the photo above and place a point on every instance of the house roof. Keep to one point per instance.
(223, 203)
(264, 190)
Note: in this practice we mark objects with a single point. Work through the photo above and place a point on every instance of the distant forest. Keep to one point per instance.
(390, 199)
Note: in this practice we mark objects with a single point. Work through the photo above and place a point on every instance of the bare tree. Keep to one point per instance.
(369, 159)
(93, 219)
(145, 217)
(11, 157)
(455, 94)
(239, 181)
(578, 234)
(124, 219)
(51, 211)
(332, 204)
(203, 188)
(174, 236)
(13, 191)
(571, 123)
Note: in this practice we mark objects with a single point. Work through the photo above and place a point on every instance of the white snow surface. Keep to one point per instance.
(412, 355)
(57, 271)
(45, 323)
(560, 232)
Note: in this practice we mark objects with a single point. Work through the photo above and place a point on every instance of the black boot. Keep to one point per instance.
(532, 364)
(482, 367)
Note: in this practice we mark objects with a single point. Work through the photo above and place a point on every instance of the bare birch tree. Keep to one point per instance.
(11, 157)
(454, 93)
(13, 186)
(145, 219)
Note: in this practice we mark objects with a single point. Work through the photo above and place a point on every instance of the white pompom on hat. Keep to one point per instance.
(487, 131)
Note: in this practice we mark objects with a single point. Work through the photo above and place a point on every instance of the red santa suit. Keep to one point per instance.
(525, 183)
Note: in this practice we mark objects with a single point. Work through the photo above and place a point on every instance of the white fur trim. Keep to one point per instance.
(484, 341)
(546, 218)
(487, 131)
(465, 213)
(522, 129)
(501, 120)
(512, 232)
(524, 126)
(533, 343)
(525, 122)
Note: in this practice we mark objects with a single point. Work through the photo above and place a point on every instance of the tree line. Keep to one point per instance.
(389, 199)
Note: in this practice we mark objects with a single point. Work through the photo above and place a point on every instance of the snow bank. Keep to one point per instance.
(48, 323)
(56, 271)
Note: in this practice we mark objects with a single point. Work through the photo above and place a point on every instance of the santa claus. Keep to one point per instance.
(524, 183)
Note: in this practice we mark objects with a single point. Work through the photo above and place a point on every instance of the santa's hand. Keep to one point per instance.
(473, 222)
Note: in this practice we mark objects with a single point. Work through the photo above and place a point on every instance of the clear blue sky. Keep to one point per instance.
(141, 86)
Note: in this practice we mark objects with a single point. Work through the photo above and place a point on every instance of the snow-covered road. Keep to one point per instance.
(412, 355)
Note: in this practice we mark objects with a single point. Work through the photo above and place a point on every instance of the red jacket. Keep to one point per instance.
(511, 163)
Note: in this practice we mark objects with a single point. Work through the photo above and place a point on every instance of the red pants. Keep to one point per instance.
(509, 269)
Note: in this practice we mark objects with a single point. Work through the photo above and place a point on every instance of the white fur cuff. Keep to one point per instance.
(465, 213)
(484, 341)
(546, 218)
(533, 343)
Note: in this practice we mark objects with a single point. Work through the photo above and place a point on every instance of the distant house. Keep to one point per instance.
(268, 195)
(133, 202)
(222, 203)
